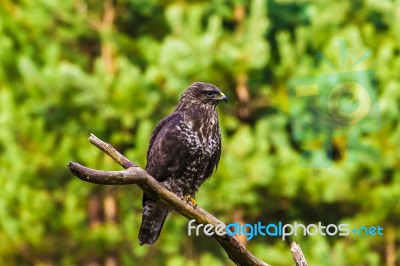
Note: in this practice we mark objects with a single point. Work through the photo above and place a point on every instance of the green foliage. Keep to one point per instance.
(67, 69)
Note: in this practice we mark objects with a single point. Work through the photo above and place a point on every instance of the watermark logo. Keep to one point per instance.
(282, 230)
(343, 104)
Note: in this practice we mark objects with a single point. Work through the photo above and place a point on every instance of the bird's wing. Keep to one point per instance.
(214, 158)
(169, 148)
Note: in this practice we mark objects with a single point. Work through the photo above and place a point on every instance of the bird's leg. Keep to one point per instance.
(190, 199)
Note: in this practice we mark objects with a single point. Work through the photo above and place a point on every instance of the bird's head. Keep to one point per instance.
(200, 93)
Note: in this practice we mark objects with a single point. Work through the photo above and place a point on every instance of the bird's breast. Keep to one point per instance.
(202, 134)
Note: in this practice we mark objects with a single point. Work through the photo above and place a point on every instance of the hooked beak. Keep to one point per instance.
(223, 98)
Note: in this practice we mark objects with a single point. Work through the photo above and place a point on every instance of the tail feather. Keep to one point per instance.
(154, 215)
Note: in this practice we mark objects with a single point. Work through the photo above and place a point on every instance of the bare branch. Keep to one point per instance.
(298, 255)
(123, 177)
(135, 175)
(111, 151)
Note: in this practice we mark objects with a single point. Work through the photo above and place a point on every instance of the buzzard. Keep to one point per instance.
(184, 150)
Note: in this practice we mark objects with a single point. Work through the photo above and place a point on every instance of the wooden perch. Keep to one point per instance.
(298, 256)
(132, 174)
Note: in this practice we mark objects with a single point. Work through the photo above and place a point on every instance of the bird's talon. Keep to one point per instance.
(188, 198)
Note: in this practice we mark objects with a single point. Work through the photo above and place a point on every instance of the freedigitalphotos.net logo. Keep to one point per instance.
(282, 230)
(338, 104)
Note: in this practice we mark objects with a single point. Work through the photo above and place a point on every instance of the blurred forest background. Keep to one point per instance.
(115, 68)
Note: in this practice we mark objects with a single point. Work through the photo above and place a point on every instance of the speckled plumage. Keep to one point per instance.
(184, 150)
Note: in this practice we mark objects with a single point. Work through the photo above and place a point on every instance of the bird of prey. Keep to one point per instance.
(183, 152)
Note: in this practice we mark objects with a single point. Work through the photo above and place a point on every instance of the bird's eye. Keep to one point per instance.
(209, 93)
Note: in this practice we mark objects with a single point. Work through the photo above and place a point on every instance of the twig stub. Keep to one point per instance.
(298, 255)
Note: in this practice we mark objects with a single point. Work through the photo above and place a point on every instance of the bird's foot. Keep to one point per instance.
(188, 198)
